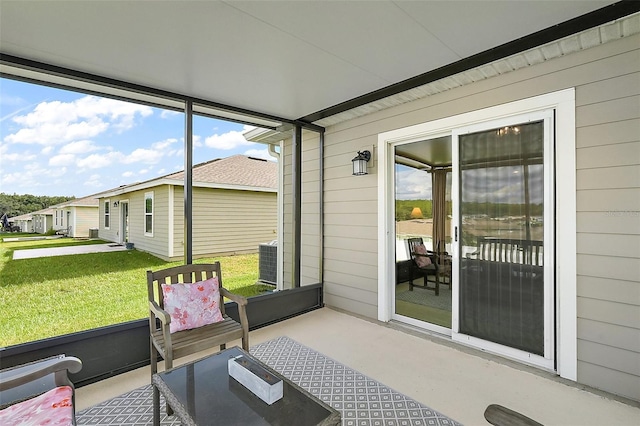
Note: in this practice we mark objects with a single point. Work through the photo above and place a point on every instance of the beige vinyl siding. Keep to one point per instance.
(158, 243)
(310, 212)
(83, 219)
(226, 222)
(608, 198)
(110, 234)
(287, 219)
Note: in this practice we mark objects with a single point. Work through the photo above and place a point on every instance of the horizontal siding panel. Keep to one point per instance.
(609, 380)
(614, 358)
(614, 222)
(366, 207)
(623, 314)
(357, 257)
(351, 305)
(609, 245)
(336, 196)
(606, 200)
(608, 133)
(617, 268)
(624, 154)
(352, 272)
(626, 338)
(609, 177)
(352, 184)
(611, 88)
(350, 292)
(353, 219)
(609, 289)
(608, 112)
(366, 234)
(349, 244)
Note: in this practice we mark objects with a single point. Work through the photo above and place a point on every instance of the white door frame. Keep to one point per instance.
(563, 104)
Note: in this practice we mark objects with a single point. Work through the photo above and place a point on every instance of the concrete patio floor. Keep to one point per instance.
(453, 380)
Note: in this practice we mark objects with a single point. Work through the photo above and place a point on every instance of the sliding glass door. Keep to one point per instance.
(504, 216)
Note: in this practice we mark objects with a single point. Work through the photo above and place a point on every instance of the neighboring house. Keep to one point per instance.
(583, 108)
(77, 217)
(43, 221)
(24, 221)
(234, 210)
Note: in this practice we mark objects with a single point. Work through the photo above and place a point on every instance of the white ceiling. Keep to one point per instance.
(284, 58)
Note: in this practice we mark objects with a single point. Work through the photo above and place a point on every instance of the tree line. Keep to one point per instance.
(16, 205)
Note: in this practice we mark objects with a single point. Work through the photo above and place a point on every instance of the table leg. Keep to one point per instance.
(156, 406)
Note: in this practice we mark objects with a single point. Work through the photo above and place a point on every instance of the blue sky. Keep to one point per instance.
(56, 142)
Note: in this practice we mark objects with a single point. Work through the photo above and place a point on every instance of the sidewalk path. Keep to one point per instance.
(63, 251)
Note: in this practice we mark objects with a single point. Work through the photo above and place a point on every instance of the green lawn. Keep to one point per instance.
(51, 296)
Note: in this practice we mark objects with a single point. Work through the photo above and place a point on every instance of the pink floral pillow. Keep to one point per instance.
(54, 407)
(422, 261)
(192, 305)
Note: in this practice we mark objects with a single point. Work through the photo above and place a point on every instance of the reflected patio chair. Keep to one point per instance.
(424, 263)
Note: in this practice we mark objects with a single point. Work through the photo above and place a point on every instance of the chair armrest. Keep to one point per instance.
(160, 313)
(17, 376)
(240, 300)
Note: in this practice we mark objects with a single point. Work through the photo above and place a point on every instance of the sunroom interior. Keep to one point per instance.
(287, 69)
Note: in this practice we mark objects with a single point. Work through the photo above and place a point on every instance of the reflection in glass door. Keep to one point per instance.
(423, 231)
(502, 192)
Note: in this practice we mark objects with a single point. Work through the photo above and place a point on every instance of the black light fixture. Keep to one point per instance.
(360, 163)
(115, 203)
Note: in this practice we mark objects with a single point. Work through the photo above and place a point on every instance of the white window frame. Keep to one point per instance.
(106, 213)
(148, 195)
(563, 104)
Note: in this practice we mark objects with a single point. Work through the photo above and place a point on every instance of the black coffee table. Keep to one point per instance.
(202, 393)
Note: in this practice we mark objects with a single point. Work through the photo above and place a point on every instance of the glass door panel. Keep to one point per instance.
(501, 275)
(423, 216)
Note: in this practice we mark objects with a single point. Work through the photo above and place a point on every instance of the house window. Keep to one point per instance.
(148, 214)
(107, 214)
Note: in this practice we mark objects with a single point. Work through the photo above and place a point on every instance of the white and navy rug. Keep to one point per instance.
(361, 400)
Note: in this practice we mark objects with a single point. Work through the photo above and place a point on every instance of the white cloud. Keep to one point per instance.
(127, 174)
(169, 114)
(94, 181)
(47, 150)
(165, 144)
(227, 141)
(142, 155)
(56, 122)
(62, 160)
(78, 147)
(96, 161)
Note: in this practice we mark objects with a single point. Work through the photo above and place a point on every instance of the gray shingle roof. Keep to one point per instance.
(235, 170)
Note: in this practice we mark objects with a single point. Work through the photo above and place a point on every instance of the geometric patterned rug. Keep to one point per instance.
(361, 400)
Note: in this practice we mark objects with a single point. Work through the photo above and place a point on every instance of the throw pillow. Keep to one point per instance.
(192, 305)
(421, 261)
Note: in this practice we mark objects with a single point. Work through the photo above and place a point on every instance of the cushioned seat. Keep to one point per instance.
(55, 406)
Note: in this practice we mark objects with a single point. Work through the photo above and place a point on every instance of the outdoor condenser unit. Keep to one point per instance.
(268, 262)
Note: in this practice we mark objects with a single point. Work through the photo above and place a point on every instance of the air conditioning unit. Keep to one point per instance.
(268, 262)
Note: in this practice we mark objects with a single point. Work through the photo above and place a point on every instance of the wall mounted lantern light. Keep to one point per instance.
(115, 203)
(360, 163)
